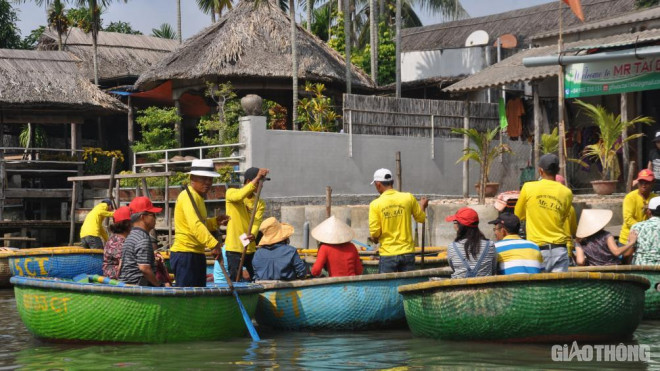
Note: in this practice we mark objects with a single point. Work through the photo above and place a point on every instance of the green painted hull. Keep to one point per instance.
(113, 315)
(650, 272)
(554, 307)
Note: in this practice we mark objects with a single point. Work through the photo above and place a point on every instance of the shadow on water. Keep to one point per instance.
(292, 350)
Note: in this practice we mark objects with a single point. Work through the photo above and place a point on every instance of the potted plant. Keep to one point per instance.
(483, 153)
(609, 143)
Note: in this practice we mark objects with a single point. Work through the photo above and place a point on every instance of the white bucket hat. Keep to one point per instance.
(592, 221)
(203, 168)
(333, 231)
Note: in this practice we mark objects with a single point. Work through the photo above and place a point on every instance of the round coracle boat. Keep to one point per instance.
(59, 262)
(338, 303)
(545, 307)
(90, 312)
(650, 272)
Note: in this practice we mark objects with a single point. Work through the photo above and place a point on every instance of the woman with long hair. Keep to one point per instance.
(471, 254)
(112, 249)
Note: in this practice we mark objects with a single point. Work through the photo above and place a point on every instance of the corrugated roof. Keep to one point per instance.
(522, 22)
(32, 79)
(617, 20)
(511, 70)
(119, 55)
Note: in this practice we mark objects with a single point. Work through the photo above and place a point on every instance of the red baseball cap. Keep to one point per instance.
(121, 214)
(645, 174)
(142, 204)
(464, 216)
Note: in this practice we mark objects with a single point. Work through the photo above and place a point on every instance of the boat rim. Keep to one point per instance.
(535, 277)
(431, 272)
(53, 251)
(97, 288)
(616, 268)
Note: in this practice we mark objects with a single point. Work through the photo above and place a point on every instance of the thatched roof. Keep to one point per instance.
(251, 42)
(511, 70)
(120, 55)
(523, 23)
(34, 80)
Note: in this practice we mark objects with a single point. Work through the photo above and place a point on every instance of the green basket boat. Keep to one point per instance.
(650, 272)
(84, 312)
(547, 307)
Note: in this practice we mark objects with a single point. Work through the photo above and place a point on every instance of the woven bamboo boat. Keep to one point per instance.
(547, 307)
(59, 262)
(371, 266)
(5, 272)
(650, 272)
(87, 312)
(338, 303)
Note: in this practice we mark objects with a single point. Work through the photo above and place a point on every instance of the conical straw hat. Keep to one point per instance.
(333, 231)
(592, 221)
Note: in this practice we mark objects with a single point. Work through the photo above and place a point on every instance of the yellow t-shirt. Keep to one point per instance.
(571, 227)
(546, 207)
(191, 235)
(239, 208)
(633, 212)
(389, 221)
(93, 224)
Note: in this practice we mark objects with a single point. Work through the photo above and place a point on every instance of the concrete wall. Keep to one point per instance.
(419, 65)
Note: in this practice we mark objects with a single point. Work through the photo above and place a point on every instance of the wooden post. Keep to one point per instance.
(178, 125)
(624, 134)
(168, 219)
(466, 145)
(131, 131)
(117, 193)
(74, 138)
(630, 177)
(398, 171)
(145, 188)
(3, 180)
(111, 183)
(537, 125)
(328, 201)
(72, 215)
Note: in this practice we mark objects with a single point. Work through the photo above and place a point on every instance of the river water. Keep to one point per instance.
(384, 349)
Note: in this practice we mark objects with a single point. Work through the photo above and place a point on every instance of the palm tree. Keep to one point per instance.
(214, 7)
(178, 20)
(294, 65)
(94, 7)
(57, 18)
(347, 38)
(165, 31)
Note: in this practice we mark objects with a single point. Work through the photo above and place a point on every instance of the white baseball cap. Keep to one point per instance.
(203, 168)
(382, 175)
(654, 203)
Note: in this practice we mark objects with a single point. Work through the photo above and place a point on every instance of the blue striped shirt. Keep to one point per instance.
(516, 256)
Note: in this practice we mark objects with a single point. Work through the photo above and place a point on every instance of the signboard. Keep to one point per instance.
(613, 77)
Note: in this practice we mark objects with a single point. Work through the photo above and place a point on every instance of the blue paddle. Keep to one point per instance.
(246, 317)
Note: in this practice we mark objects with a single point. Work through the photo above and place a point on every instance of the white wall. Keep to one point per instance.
(419, 65)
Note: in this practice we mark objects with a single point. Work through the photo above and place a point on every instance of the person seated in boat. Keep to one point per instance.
(112, 249)
(635, 202)
(471, 254)
(138, 264)
(336, 253)
(389, 224)
(514, 254)
(595, 246)
(218, 274)
(92, 233)
(275, 259)
(647, 248)
(545, 205)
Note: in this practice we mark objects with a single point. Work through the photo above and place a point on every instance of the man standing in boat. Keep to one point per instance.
(390, 224)
(92, 233)
(546, 205)
(192, 228)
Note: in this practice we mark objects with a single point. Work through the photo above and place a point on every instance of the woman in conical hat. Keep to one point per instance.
(596, 246)
(336, 253)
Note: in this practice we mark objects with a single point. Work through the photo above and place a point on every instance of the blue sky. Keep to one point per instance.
(145, 15)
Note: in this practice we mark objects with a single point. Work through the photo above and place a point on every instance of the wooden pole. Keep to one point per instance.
(348, 44)
(74, 138)
(72, 215)
(168, 219)
(3, 179)
(328, 201)
(111, 182)
(145, 187)
(466, 145)
(398, 171)
(131, 131)
(631, 176)
(624, 134)
(117, 193)
(562, 112)
(397, 49)
(537, 125)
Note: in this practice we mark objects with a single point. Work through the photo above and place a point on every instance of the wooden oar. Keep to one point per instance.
(423, 242)
(249, 230)
(246, 317)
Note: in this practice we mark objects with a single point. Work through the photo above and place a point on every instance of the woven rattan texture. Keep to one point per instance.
(58, 265)
(79, 316)
(532, 311)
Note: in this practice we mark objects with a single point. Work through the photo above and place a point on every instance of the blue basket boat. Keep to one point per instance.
(58, 262)
(338, 303)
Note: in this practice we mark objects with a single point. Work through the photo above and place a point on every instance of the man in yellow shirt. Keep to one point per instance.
(92, 233)
(571, 223)
(390, 224)
(635, 202)
(238, 206)
(192, 236)
(546, 206)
